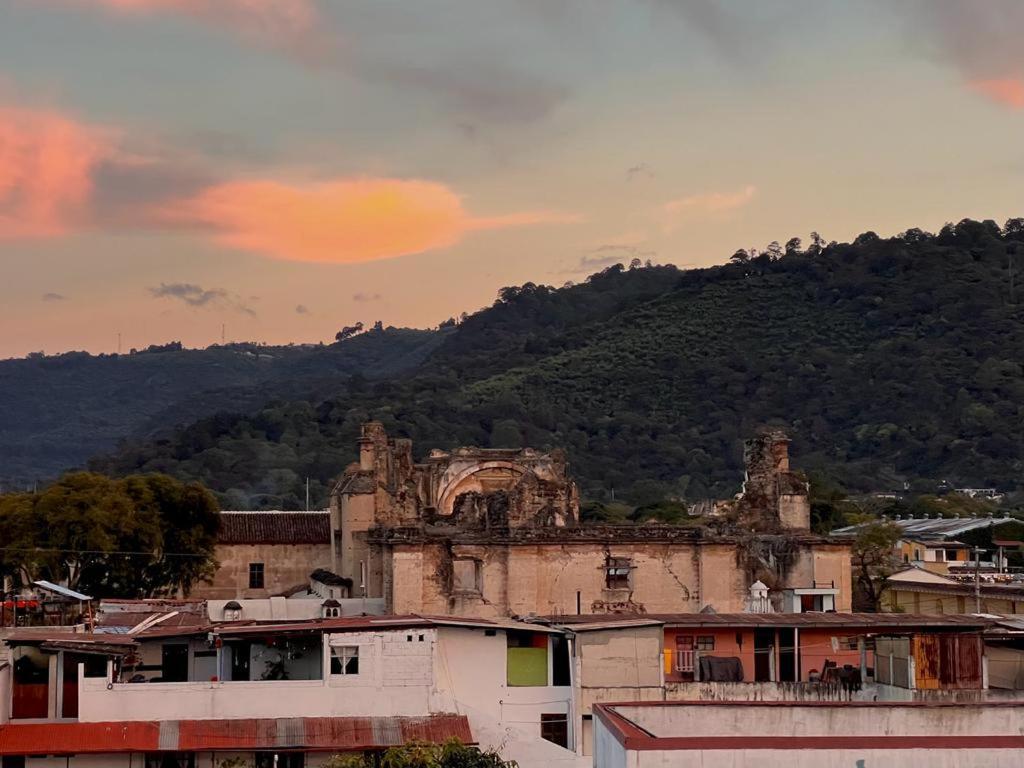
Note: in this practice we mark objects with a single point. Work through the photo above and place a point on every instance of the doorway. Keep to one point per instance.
(764, 655)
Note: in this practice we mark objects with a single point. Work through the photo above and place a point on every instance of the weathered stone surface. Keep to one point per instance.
(493, 533)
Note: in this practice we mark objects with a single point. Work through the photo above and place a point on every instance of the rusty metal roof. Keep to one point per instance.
(326, 734)
(275, 528)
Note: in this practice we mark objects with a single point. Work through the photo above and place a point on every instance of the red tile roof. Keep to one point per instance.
(275, 528)
(314, 734)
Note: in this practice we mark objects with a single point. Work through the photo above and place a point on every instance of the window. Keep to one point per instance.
(466, 576)
(255, 575)
(951, 555)
(555, 728)
(344, 659)
(917, 554)
(940, 555)
(705, 642)
(617, 570)
(906, 557)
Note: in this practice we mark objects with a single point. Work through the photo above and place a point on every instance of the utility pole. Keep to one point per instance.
(977, 579)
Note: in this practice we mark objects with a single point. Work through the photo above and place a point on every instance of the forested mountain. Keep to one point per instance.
(59, 411)
(888, 360)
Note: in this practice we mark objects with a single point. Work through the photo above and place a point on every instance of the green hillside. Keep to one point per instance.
(59, 411)
(888, 360)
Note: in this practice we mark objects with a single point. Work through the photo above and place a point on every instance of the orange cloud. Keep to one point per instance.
(271, 20)
(673, 211)
(1007, 91)
(342, 222)
(46, 161)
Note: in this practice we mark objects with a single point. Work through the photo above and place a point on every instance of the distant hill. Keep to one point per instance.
(888, 360)
(58, 411)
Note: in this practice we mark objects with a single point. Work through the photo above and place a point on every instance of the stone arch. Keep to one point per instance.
(469, 479)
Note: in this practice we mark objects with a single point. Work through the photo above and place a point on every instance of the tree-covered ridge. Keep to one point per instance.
(58, 411)
(888, 360)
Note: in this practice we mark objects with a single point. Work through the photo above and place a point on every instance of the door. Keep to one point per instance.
(764, 655)
(684, 656)
(787, 655)
(174, 664)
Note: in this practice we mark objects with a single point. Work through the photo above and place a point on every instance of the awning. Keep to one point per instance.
(49, 586)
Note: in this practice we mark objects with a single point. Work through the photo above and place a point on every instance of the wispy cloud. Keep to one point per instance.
(343, 221)
(196, 296)
(675, 212)
(46, 164)
(278, 23)
(363, 297)
(980, 39)
(639, 171)
(54, 297)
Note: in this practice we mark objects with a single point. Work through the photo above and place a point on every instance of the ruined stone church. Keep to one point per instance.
(496, 533)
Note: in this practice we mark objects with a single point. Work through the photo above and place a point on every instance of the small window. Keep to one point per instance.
(952, 555)
(95, 666)
(255, 575)
(617, 570)
(906, 557)
(705, 642)
(555, 728)
(940, 555)
(917, 555)
(344, 659)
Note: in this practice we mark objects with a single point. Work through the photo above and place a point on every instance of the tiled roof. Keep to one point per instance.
(326, 734)
(275, 527)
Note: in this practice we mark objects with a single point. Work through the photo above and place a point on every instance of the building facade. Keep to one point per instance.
(493, 533)
(267, 554)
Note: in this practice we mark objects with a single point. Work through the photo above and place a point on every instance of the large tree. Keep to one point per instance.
(874, 559)
(138, 536)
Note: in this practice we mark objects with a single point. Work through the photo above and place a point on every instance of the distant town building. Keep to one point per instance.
(265, 554)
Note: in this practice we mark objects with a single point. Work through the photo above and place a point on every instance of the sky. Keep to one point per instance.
(274, 170)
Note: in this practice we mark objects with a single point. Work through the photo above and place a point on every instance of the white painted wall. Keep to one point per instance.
(823, 758)
(294, 608)
(378, 690)
(822, 720)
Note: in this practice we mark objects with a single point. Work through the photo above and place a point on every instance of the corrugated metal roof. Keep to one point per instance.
(931, 528)
(275, 528)
(49, 586)
(77, 738)
(325, 734)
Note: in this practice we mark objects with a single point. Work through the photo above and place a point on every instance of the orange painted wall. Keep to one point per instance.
(815, 647)
(725, 645)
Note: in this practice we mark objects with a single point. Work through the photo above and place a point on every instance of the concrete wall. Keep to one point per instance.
(554, 578)
(825, 720)
(285, 567)
(300, 607)
(384, 686)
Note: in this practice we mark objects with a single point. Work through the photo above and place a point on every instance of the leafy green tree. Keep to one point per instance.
(452, 754)
(873, 557)
(142, 535)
